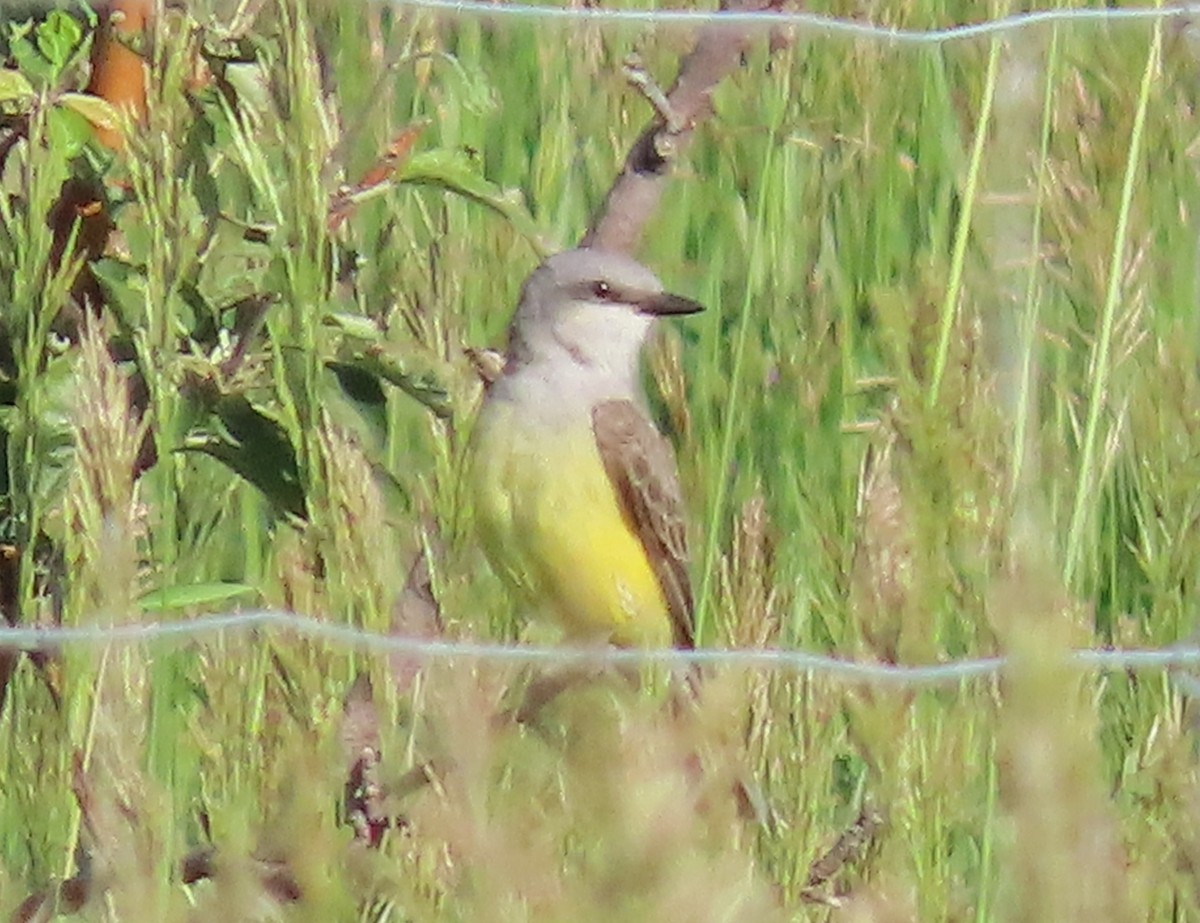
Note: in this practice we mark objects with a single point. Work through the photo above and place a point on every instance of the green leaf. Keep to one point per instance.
(98, 111)
(361, 391)
(192, 595)
(250, 83)
(69, 132)
(125, 286)
(19, 31)
(57, 39)
(29, 60)
(55, 393)
(419, 374)
(199, 143)
(297, 366)
(457, 173)
(256, 447)
(355, 400)
(14, 87)
(355, 325)
(358, 384)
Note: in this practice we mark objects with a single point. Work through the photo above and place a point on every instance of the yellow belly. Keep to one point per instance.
(551, 526)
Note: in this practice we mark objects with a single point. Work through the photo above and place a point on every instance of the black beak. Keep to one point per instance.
(664, 304)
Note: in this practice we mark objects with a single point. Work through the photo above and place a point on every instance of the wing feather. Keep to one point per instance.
(641, 466)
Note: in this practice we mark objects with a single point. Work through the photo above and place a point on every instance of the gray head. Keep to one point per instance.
(592, 305)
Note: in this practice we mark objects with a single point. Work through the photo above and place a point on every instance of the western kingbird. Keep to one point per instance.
(576, 492)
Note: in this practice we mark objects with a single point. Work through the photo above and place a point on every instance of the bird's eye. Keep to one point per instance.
(602, 290)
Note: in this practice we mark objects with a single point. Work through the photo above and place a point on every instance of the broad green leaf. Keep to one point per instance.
(359, 389)
(19, 31)
(14, 86)
(125, 286)
(297, 367)
(192, 595)
(57, 38)
(29, 60)
(354, 400)
(355, 325)
(198, 147)
(54, 393)
(256, 447)
(457, 173)
(12, 179)
(358, 384)
(100, 112)
(418, 373)
(250, 83)
(69, 131)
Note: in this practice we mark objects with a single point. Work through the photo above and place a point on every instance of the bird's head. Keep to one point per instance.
(593, 305)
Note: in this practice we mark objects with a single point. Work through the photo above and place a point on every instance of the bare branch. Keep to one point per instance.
(635, 193)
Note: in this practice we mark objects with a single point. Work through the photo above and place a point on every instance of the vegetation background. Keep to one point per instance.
(943, 404)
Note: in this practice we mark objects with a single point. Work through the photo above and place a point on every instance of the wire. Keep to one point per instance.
(811, 22)
(782, 661)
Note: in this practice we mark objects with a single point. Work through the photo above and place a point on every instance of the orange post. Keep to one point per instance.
(118, 73)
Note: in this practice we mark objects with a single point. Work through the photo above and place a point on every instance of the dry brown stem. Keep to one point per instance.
(634, 195)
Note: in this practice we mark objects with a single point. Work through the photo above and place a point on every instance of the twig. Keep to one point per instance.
(634, 195)
(852, 846)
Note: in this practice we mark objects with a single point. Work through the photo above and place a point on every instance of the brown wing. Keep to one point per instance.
(641, 465)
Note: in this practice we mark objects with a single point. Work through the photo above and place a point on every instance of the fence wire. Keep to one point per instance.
(811, 24)
(1180, 657)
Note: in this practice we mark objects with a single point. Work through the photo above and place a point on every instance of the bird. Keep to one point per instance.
(576, 492)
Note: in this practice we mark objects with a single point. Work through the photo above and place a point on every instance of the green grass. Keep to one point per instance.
(942, 404)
